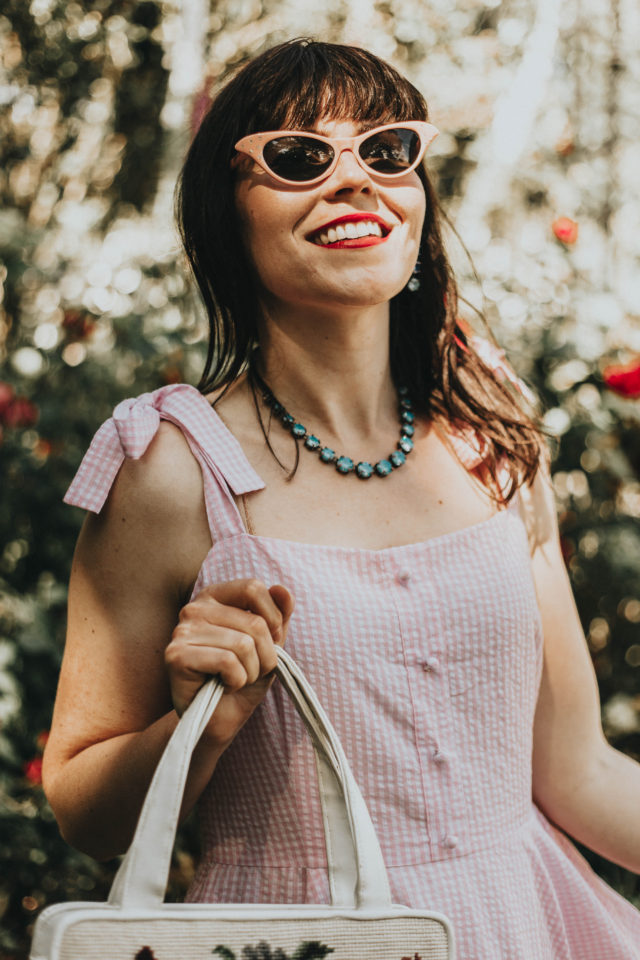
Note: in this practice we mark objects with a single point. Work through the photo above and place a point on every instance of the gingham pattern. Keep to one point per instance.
(427, 658)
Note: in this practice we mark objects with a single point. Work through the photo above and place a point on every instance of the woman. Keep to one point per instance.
(437, 627)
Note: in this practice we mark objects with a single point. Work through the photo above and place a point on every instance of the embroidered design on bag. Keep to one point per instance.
(307, 950)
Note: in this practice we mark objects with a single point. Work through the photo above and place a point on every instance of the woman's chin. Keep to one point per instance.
(365, 291)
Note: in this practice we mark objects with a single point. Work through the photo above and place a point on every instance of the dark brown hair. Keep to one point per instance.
(290, 86)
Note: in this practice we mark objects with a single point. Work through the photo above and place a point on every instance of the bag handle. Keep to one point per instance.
(357, 874)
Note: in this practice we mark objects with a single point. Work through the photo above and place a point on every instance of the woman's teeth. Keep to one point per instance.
(349, 231)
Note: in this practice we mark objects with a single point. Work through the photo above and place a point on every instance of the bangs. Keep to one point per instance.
(301, 82)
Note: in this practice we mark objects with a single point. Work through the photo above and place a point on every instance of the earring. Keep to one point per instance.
(414, 279)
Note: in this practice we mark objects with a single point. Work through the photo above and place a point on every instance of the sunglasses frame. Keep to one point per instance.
(254, 145)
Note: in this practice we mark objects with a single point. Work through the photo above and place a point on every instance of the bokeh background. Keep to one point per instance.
(537, 166)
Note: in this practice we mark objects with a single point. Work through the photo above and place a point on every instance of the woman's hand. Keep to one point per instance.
(229, 630)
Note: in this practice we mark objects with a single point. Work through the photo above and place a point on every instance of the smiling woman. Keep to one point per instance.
(433, 614)
(293, 267)
(310, 90)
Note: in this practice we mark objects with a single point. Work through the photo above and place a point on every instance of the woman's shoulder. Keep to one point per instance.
(155, 514)
(166, 480)
(143, 481)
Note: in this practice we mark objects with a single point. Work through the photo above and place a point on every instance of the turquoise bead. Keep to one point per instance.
(344, 464)
(364, 470)
(383, 468)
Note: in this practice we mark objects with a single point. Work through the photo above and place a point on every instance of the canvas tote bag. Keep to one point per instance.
(360, 924)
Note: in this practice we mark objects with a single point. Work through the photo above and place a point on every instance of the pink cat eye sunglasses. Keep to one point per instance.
(302, 158)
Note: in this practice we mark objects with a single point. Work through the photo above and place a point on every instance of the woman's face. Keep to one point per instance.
(286, 228)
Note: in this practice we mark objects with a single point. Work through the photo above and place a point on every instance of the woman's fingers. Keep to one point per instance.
(251, 595)
(233, 658)
(283, 599)
(228, 630)
(210, 623)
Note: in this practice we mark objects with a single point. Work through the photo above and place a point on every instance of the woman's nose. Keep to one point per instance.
(349, 175)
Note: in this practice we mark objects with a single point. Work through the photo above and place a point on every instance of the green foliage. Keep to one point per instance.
(63, 66)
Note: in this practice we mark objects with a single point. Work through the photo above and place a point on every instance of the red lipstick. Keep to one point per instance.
(351, 242)
(350, 218)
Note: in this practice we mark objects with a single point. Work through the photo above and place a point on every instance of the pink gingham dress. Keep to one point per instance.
(427, 658)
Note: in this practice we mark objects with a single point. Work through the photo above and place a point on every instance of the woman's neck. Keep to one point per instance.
(331, 370)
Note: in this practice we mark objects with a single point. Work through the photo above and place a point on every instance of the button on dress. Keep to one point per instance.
(427, 658)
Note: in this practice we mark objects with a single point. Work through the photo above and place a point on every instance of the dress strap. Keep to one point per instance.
(225, 469)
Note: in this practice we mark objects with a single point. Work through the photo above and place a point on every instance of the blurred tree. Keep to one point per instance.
(90, 304)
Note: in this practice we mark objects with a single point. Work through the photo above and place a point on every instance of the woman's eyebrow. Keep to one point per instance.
(361, 128)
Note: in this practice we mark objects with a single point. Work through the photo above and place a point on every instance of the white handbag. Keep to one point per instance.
(135, 923)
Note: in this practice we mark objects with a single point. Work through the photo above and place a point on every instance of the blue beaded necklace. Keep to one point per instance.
(345, 465)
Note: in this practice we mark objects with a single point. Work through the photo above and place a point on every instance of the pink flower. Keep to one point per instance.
(565, 230)
(624, 380)
(199, 107)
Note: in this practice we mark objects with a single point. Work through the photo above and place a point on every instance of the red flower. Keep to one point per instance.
(33, 771)
(566, 230)
(624, 380)
(77, 326)
(42, 449)
(20, 412)
(6, 396)
(568, 548)
(172, 374)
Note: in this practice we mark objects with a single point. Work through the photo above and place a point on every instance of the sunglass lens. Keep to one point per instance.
(391, 152)
(297, 158)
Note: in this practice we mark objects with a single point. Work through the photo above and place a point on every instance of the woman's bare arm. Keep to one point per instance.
(132, 574)
(583, 784)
